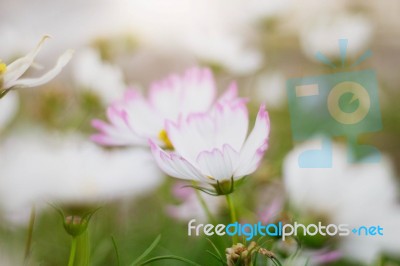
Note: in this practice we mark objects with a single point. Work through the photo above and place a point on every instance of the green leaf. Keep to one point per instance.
(255, 259)
(276, 262)
(147, 251)
(170, 257)
(215, 248)
(116, 250)
(59, 210)
(238, 262)
(216, 257)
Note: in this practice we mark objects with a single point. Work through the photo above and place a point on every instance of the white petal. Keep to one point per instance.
(8, 109)
(255, 145)
(33, 82)
(111, 134)
(227, 124)
(17, 68)
(217, 164)
(141, 116)
(102, 78)
(231, 121)
(117, 132)
(192, 135)
(190, 93)
(230, 94)
(175, 165)
(132, 122)
(198, 90)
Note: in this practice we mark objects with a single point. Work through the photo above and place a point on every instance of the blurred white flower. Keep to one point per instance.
(191, 208)
(67, 169)
(322, 34)
(298, 15)
(8, 109)
(355, 194)
(104, 79)
(10, 75)
(226, 50)
(220, 32)
(254, 10)
(270, 88)
(213, 31)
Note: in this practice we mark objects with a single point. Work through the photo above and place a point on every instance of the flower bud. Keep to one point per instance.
(75, 225)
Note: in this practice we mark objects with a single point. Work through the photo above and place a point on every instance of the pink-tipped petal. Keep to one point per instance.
(116, 116)
(200, 90)
(255, 145)
(131, 94)
(118, 132)
(103, 140)
(230, 94)
(175, 165)
(100, 125)
(192, 92)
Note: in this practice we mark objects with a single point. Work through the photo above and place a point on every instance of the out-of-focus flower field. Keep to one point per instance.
(163, 103)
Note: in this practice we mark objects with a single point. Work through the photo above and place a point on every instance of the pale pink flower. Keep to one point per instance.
(135, 118)
(212, 147)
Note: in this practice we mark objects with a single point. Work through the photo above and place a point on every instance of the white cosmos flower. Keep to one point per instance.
(68, 169)
(91, 73)
(8, 109)
(135, 119)
(212, 147)
(350, 193)
(322, 35)
(10, 75)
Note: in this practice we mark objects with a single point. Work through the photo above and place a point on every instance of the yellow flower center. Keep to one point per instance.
(163, 136)
(3, 68)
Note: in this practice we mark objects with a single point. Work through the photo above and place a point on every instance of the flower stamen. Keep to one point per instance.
(163, 136)
(3, 68)
(210, 177)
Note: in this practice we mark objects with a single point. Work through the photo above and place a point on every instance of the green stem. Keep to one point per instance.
(205, 207)
(232, 210)
(83, 249)
(30, 233)
(73, 252)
